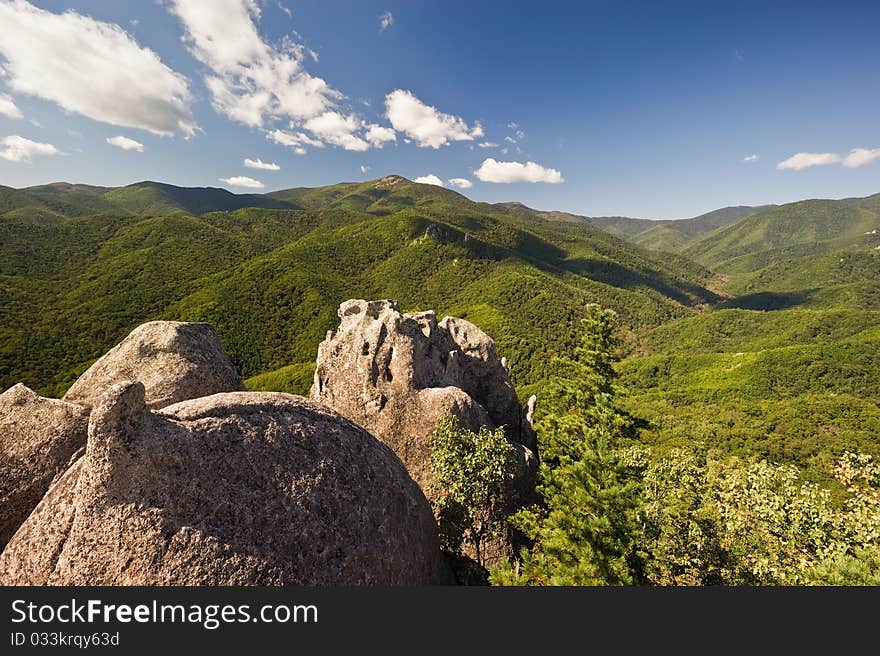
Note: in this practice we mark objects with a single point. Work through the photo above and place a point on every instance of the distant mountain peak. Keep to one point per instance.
(390, 181)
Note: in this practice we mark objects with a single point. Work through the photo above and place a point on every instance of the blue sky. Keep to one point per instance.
(631, 108)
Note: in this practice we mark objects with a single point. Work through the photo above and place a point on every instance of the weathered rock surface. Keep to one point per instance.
(174, 360)
(397, 374)
(38, 438)
(231, 489)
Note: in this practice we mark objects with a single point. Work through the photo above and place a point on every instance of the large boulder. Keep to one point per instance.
(38, 438)
(174, 360)
(396, 374)
(231, 489)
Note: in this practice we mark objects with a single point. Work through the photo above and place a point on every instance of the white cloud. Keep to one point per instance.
(430, 179)
(487, 144)
(806, 160)
(364, 168)
(861, 156)
(427, 126)
(336, 129)
(461, 183)
(297, 141)
(285, 9)
(261, 165)
(751, 158)
(517, 131)
(378, 135)
(505, 172)
(91, 68)
(243, 181)
(19, 149)
(125, 143)
(8, 107)
(250, 80)
(386, 20)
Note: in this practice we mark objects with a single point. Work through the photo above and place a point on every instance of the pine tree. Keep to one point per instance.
(585, 533)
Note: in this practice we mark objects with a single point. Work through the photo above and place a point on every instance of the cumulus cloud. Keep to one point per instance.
(750, 158)
(261, 165)
(18, 149)
(505, 172)
(806, 160)
(298, 141)
(8, 107)
(430, 179)
(243, 181)
(91, 68)
(125, 143)
(334, 128)
(250, 81)
(426, 125)
(461, 183)
(386, 20)
(378, 135)
(861, 156)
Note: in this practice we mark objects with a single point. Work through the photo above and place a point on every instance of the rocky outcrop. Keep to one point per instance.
(38, 438)
(175, 361)
(396, 374)
(231, 489)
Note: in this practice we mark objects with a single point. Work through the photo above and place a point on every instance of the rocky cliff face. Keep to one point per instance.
(230, 489)
(396, 374)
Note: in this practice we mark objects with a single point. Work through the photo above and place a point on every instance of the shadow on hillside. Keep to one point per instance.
(617, 275)
(766, 301)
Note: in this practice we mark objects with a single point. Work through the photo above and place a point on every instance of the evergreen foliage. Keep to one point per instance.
(585, 531)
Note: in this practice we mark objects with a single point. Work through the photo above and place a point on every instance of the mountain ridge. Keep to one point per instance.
(621, 226)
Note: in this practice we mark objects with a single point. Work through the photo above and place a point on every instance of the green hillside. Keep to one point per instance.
(155, 199)
(760, 336)
(659, 235)
(787, 367)
(810, 227)
(271, 279)
(789, 385)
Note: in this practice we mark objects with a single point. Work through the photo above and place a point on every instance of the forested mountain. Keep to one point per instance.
(758, 335)
(270, 280)
(787, 366)
(661, 235)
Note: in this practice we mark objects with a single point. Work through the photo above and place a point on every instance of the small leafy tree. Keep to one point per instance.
(585, 533)
(756, 523)
(680, 521)
(470, 473)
